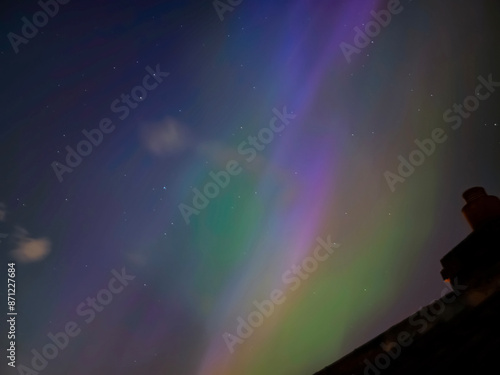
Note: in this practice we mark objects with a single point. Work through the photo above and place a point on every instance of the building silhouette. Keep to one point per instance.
(459, 333)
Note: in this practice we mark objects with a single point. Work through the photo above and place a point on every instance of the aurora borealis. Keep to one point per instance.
(234, 162)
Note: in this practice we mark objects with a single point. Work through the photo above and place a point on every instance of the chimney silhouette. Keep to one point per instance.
(476, 258)
(481, 208)
(457, 333)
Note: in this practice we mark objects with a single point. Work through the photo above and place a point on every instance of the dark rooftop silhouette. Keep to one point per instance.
(459, 333)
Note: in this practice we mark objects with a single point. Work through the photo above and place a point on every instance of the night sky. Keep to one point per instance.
(200, 188)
